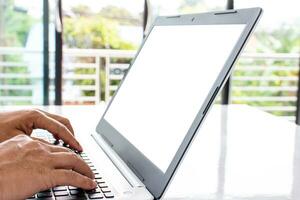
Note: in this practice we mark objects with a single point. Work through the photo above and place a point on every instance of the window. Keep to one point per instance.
(267, 74)
(97, 38)
(21, 61)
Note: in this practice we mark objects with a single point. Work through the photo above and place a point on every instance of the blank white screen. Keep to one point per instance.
(167, 85)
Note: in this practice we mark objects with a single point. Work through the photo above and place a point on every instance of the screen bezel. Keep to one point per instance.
(153, 178)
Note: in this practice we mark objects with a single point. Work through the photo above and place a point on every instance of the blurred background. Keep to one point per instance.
(75, 52)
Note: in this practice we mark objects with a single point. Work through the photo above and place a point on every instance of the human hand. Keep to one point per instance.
(24, 121)
(28, 166)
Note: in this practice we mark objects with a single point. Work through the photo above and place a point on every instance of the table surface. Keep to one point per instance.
(239, 153)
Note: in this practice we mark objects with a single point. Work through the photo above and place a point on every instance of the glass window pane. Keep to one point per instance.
(100, 38)
(173, 7)
(266, 76)
(21, 61)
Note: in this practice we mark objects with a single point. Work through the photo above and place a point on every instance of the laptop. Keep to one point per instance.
(161, 103)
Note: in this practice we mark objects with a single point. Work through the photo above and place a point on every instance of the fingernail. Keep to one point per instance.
(79, 146)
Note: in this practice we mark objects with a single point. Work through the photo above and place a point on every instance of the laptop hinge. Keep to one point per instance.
(135, 171)
(126, 172)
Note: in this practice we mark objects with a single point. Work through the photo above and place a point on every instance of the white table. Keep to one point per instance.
(239, 153)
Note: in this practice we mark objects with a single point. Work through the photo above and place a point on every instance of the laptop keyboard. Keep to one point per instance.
(69, 192)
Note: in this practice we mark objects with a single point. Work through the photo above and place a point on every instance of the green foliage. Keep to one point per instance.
(195, 6)
(17, 29)
(284, 39)
(265, 72)
(123, 16)
(81, 10)
(93, 32)
(16, 25)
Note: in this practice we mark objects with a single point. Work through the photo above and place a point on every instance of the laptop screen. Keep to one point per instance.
(167, 85)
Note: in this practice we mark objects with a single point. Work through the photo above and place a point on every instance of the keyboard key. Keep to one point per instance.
(101, 184)
(44, 194)
(72, 188)
(71, 198)
(61, 193)
(97, 190)
(56, 142)
(51, 140)
(97, 176)
(46, 191)
(78, 192)
(106, 189)
(96, 196)
(60, 188)
(45, 198)
(66, 145)
(109, 195)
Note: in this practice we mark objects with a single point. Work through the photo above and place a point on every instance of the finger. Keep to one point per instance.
(41, 140)
(51, 147)
(57, 129)
(69, 177)
(69, 160)
(57, 149)
(61, 119)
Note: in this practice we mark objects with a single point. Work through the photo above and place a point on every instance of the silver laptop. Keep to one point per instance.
(155, 114)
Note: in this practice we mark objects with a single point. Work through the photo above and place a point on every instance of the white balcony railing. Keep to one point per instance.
(267, 81)
(89, 75)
